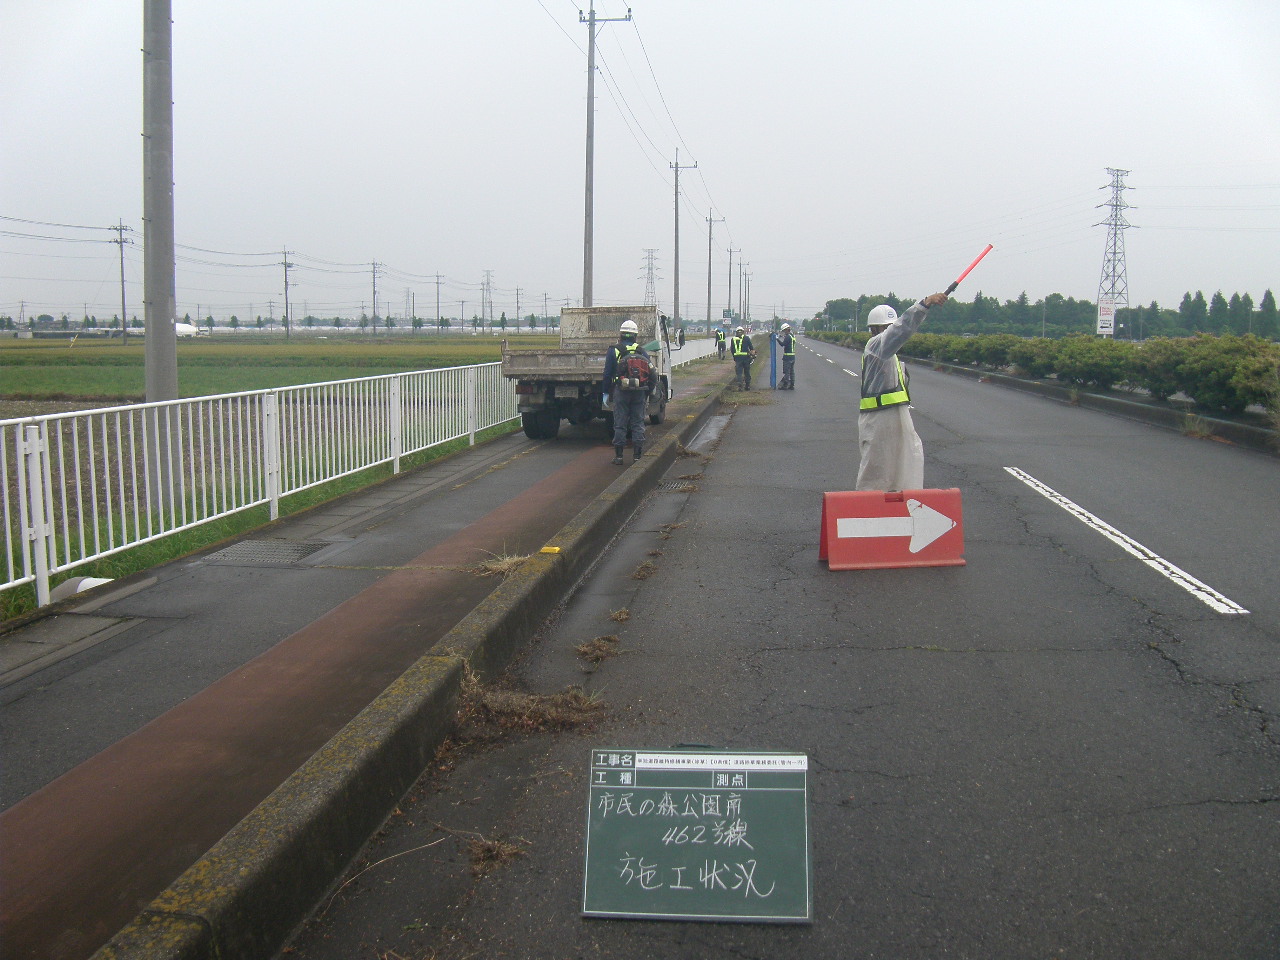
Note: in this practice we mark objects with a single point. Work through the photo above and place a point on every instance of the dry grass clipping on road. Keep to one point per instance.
(601, 648)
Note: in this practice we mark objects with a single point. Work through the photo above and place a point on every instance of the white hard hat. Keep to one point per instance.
(881, 316)
(629, 326)
(786, 326)
(739, 330)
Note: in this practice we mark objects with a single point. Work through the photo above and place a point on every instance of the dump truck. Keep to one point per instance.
(567, 382)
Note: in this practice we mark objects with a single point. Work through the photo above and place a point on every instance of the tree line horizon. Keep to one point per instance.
(1057, 316)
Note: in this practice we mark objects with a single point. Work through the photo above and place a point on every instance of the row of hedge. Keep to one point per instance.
(1224, 374)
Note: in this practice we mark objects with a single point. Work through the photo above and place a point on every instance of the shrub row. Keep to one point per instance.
(1220, 373)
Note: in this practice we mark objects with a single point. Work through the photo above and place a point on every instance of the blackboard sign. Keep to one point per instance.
(698, 835)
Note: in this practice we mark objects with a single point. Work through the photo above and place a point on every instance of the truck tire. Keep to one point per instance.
(540, 425)
(657, 418)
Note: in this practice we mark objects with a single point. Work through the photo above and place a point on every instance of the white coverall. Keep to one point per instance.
(891, 455)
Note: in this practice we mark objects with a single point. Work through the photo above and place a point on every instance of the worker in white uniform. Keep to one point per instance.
(891, 455)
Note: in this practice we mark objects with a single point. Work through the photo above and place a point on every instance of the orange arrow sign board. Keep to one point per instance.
(909, 528)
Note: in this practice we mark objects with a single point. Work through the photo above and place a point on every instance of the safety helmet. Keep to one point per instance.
(786, 326)
(629, 326)
(881, 316)
(740, 330)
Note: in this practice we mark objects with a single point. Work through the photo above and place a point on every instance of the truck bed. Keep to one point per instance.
(582, 361)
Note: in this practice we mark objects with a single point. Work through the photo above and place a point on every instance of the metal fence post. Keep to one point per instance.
(397, 423)
(38, 532)
(271, 451)
(473, 402)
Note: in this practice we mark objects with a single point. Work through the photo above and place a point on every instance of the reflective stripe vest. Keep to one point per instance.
(893, 397)
(738, 349)
(789, 346)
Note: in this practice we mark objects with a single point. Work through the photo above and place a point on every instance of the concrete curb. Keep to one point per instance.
(1173, 418)
(246, 895)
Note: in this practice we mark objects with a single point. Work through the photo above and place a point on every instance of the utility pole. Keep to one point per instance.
(729, 303)
(1113, 287)
(124, 313)
(486, 299)
(650, 292)
(159, 285)
(287, 326)
(711, 222)
(437, 301)
(675, 300)
(374, 319)
(588, 241)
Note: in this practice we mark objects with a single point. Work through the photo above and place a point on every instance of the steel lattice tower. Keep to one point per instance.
(1114, 285)
(650, 292)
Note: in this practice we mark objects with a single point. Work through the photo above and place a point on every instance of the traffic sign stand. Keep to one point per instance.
(875, 529)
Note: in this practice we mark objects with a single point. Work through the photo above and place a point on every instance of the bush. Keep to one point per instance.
(1155, 366)
(993, 349)
(1036, 357)
(1229, 373)
(1099, 362)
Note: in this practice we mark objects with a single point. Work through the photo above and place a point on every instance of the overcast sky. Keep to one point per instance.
(849, 147)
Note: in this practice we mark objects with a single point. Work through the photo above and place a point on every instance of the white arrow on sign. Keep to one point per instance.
(923, 525)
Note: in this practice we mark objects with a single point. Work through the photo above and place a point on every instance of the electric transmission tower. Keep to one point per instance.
(650, 292)
(1113, 288)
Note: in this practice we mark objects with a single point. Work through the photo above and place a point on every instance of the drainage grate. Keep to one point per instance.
(669, 486)
(266, 551)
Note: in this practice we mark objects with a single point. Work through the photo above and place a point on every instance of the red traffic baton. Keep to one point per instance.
(955, 283)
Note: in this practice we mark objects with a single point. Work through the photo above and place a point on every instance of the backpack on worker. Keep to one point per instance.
(634, 372)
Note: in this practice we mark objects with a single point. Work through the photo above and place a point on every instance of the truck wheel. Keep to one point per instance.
(656, 418)
(540, 425)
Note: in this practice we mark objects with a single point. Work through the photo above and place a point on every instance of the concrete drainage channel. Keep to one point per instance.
(247, 894)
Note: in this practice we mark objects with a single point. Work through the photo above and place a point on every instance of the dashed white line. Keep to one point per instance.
(1200, 591)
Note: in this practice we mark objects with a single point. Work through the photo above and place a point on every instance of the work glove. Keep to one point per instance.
(934, 299)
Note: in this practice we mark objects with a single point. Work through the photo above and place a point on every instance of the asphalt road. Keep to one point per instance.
(1055, 750)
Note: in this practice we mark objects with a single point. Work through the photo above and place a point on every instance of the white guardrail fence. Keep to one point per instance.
(76, 487)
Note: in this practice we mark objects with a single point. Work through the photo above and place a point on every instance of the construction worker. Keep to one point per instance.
(891, 455)
(719, 344)
(788, 342)
(743, 354)
(629, 385)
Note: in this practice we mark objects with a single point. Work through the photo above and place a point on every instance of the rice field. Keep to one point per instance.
(88, 370)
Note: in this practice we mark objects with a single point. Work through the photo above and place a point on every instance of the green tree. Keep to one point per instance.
(233, 322)
(1268, 322)
(533, 321)
(1194, 312)
(1219, 314)
(1240, 314)
(503, 321)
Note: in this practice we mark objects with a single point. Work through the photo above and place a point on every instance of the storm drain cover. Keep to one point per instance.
(267, 551)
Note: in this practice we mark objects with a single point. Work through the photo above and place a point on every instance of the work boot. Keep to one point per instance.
(617, 455)
(639, 452)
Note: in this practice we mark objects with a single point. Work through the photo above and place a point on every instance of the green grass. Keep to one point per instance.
(53, 369)
(20, 601)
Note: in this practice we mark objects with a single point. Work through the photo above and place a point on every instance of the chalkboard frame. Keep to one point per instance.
(704, 834)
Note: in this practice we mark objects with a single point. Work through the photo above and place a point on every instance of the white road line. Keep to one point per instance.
(1200, 591)
(849, 372)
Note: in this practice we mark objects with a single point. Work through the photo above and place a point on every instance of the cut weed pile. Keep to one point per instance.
(487, 713)
(486, 855)
(601, 648)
